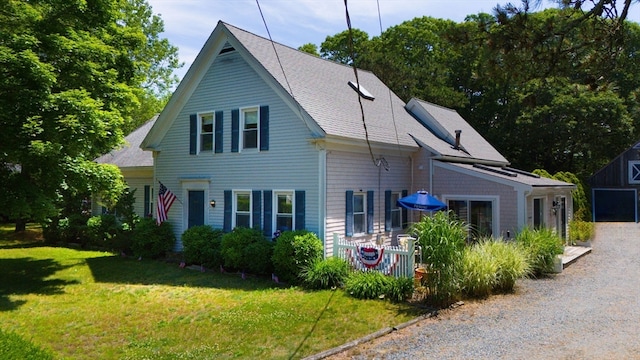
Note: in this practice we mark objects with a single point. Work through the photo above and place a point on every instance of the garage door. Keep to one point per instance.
(614, 205)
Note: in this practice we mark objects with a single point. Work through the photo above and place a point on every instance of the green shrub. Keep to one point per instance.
(233, 247)
(201, 245)
(368, 285)
(401, 289)
(581, 230)
(479, 271)
(512, 263)
(541, 247)
(260, 253)
(295, 250)
(12, 346)
(442, 238)
(102, 230)
(148, 240)
(325, 274)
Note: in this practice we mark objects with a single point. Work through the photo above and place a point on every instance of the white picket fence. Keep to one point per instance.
(396, 261)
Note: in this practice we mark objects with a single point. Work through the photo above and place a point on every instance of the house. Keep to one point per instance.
(614, 188)
(262, 135)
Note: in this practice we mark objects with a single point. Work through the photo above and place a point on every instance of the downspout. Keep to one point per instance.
(431, 175)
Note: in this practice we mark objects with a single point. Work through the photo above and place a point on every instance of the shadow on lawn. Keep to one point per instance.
(28, 276)
(119, 270)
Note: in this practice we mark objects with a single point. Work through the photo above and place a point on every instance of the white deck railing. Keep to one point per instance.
(396, 261)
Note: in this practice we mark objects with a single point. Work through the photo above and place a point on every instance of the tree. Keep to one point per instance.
(72, 74)
(309, 48)
(345, 47)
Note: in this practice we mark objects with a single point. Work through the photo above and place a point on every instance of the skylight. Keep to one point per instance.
(361, 90)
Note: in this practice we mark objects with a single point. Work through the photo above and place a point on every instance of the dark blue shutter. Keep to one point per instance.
(147, 200)
(257, 207)
(219, 131)
(300, 209)
(370, 212)
(405, 219)
(387, 210)
(264, 128)
(193, 134)
(235, 129)
(348, 221)
(268, 213)
(228, 209)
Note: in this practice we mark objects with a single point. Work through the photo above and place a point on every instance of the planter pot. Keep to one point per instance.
(557, 264)
(584, 243)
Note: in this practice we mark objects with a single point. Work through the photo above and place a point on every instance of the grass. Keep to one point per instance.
(80, 304)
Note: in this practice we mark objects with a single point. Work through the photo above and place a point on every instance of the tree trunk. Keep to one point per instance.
(21, 225)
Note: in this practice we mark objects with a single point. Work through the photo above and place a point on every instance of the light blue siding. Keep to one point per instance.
(291, 163)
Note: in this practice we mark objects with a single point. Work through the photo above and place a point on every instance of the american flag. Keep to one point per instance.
(165, 200)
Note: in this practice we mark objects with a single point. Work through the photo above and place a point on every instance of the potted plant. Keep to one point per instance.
(581, 232)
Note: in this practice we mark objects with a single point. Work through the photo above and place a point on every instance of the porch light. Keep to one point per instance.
(212, 203)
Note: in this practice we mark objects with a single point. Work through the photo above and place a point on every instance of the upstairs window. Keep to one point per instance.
(206, 131)
(250, 128)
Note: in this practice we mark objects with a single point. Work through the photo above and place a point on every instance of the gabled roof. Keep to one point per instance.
(131, 155)
(319, 90)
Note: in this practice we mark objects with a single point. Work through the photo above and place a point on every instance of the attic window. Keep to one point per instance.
(226, 48)
(361, 90)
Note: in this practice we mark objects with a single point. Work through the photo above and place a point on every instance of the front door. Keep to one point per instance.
(196, 208)
(561, 216)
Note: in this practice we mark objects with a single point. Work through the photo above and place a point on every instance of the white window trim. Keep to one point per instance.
(364, 213)
(495, 207)
(235, 206)
(634, 165)
(274, 206)
(213, 131)
(396, 208)
(241, 130)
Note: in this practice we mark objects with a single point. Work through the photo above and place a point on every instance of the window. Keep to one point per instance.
(634, 172)
(242, 209)
(396, 212)
(359, 214)
(284, 210)
(205, 128)
(477, 213)
(250, 126)
(538, 213)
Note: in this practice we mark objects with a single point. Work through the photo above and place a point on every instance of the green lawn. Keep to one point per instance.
(87, 304)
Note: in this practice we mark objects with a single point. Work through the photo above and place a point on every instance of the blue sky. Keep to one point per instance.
(188, 23)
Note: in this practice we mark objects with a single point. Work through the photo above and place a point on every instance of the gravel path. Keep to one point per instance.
(589, 311)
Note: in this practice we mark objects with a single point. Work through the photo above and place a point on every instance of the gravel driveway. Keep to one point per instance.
(589, 311)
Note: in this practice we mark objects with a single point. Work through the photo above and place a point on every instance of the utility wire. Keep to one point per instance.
(355, 71)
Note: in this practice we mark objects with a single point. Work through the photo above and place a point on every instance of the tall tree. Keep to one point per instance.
(72, 73)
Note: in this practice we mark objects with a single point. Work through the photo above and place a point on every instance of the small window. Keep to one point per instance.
(284, 211)
(206, 131)
(396, 212)
(634, 172)
(359, 214)
(361, 90)
(250, 126)
(242, 207)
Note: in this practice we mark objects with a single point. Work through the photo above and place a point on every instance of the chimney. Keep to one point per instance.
(457, 145)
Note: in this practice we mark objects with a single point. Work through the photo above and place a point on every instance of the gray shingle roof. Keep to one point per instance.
(130, 154)
(321, 87)
(514, 175)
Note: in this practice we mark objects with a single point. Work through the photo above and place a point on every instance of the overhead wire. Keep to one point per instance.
(355, 71)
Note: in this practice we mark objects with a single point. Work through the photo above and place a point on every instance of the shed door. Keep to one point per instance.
(196, 208)
(614, 205)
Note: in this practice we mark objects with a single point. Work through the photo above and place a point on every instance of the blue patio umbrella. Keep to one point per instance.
(421, 201)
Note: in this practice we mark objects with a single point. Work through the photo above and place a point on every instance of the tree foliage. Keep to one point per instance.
(72, 77)
(555, 89)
